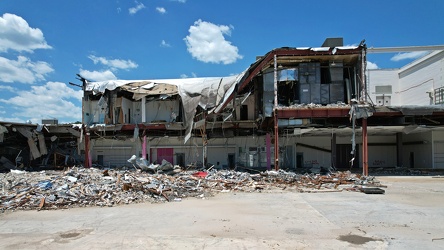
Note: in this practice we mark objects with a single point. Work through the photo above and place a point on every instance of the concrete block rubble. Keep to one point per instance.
(81, 187)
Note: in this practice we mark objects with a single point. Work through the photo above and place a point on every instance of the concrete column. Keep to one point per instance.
(268, 143)
(333, 151)
(144, 109)
(144, 147)
(88, 161)
(276, 142)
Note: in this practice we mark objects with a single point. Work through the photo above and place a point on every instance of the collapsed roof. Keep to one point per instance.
(208, 93)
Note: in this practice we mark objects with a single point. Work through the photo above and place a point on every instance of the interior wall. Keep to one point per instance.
(251, 106)
(127, 110)
(422, 153)
(161, 110)
(92, 113)
(115, 152)
(382, 156)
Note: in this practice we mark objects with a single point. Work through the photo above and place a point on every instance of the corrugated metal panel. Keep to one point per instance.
(325, 93)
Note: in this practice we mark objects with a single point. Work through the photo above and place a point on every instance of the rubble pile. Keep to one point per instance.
(79, 187)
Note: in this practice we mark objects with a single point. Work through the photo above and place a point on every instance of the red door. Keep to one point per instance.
(165, 154)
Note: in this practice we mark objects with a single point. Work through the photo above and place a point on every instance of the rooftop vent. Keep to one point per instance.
(333, 42)
(50, 121)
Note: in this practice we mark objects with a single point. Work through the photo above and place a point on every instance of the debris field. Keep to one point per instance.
(80, 187)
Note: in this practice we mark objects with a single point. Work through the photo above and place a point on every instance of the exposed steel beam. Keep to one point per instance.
(404, 49)
(155, 126)
(390, 113)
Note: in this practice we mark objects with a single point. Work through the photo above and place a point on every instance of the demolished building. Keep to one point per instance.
(39, 146)
(309, 108)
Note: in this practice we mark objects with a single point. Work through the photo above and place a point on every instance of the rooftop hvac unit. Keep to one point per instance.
(50, 121)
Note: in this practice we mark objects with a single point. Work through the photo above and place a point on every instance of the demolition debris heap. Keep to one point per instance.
(81, 187)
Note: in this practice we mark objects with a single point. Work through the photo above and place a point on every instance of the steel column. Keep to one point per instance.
(276, 126)
(364, 148)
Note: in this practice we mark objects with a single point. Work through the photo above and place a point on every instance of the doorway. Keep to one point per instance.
(344, 157)
(299, 160)
(231, 161)
(288, 160)
(100, 160)
(180, 159)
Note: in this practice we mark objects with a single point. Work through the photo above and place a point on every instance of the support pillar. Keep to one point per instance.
(144, 147)
(333, 151)
(268, 142)
(143, 109)
(399, 150)
(204, 142)
(276, 142)
(88, 161)
(276, 127)
(364, 148)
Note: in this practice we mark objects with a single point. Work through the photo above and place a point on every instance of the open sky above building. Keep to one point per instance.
(43, 44)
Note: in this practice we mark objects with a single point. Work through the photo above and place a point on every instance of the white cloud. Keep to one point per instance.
(11, 119)
(371, 65)
(7, 88)
(97, 75)
(54, 99)
(164, 44)
(193, 75)
(15, 34)
(137, 8)
(408, 55)
(23, 70)
(206, 43)
(114, 63)
(161, 10)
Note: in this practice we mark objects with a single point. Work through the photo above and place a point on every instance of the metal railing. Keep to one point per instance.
(439, 95)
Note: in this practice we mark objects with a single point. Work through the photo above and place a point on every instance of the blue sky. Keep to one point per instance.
(45, 43)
